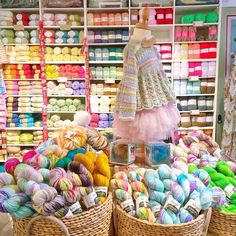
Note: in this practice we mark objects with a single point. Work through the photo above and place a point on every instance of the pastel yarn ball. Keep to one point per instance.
(177, 192)
(218, 196)
(203, 176)
(164, 172)
(10, 165)
(145, 213)
(185, 216)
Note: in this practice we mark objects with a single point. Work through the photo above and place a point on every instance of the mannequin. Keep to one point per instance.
(145, 108)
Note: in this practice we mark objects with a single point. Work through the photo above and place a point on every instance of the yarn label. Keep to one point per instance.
(18, 27)
(229, 190)
(142, 201)
(110, 81)
(156, 210)
(69, 213)
(198, 23)
(193, 208)
(127, 205)
(172, 204)
(62, 79)
(101, 191)
(65, 27)
(193, 78)
(76, 208)
(195, 112)
(91, 200)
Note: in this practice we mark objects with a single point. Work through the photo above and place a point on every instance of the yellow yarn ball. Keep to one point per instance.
(102, 165)
(86, 161)
(100, 180)
(92, 155)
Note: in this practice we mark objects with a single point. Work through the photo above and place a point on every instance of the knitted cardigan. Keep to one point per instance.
(144, 84)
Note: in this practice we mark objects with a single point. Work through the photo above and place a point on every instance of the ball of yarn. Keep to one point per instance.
(185, 216)
(157, 196)
(45, 173)
(164, 172)
(145, 213)
(224, 169)
(36, 160)
(218, 196)
(121, 184)
(182, 180)
(84, 174)
(164, 217)
(120, 175)
(140, 187)
(63, 163)
(152, 181)
(206, 198)
(11, 164)
(86, 161)
(6, 179)
(137, 174)
(203, 176)
(74, 179)
(177, 192)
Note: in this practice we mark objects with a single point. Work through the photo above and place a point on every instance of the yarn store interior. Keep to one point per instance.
(118, 118)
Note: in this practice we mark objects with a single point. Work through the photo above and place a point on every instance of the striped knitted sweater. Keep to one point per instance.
(144, 84)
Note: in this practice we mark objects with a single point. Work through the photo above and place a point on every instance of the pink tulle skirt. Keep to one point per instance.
(151, 125)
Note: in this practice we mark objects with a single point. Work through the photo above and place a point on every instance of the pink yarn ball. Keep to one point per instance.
(10, 165)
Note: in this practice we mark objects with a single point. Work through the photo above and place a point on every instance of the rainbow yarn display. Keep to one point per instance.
(166, 195)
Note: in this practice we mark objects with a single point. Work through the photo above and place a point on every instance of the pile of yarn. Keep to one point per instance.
(67, 187)
(197, 148)
(165, 196)
(223, 183)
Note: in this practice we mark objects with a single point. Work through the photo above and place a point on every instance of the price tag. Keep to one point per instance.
(62, 79)
(76, 208)
(90, 200)
(193, 208)
(198, 23)
(18, 27)
(229, 190)
(109, 81)
(142, 201)
(65, 27)
(101, 191)
(172, 204)
(128, 205)
(195, 112)
(193, 78)
(156, 209)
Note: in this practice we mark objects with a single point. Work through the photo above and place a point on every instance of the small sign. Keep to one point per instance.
(65, 27)
(198, 23)
(193, 78)
(18, 27)
(62, 79)
(109, 81)
(195, 112)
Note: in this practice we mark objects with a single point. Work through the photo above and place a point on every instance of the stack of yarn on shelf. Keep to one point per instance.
(27, 19)
(20, 71)
(102, 120)
(106, 54)
(104, 89)
(183, 69)
(23, 53)
(6, 18)
(106, 72)
(162, 196)
(65, 105)
(55, 121)
(111, 36)
(64, 54)
(64, 37)
(68, 88)
(51, 19)
(102, 104)
(23, 120)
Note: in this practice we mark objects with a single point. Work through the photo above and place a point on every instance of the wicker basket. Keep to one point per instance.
(130, 226)
(96, 222)
(222, 223)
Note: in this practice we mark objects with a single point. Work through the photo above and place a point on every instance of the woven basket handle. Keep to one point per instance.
(52, 218)
(207, 221)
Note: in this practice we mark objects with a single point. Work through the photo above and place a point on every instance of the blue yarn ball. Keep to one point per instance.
(2, 169)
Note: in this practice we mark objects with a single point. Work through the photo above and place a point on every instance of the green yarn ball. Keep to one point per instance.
(209, 170)
(212, 17)
(224, 169)
(191, 168)
(63, 163)
(187, 19)
(200, 17)
(216, 176)
(222, 183)
(231, 180)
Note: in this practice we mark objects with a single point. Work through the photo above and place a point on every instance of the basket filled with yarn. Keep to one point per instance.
(164, 202)
(69, 193)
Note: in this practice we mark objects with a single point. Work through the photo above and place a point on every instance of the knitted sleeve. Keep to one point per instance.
(126, 98)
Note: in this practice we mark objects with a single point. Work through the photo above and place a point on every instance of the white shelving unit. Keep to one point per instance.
(163, 33)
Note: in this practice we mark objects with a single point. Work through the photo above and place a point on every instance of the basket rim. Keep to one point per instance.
(224, 213)
(159, 225)
(84, 213)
